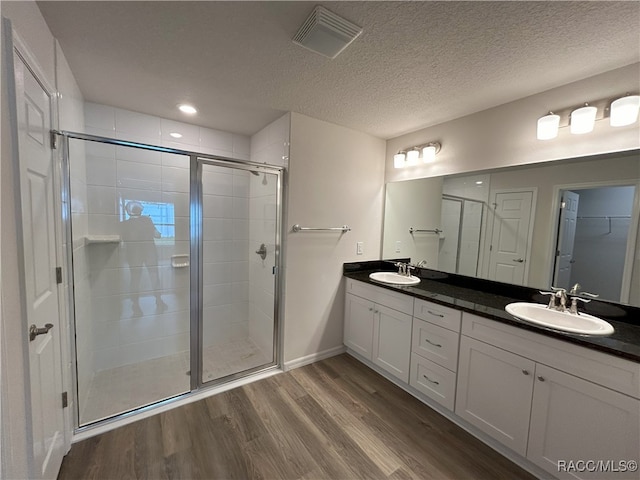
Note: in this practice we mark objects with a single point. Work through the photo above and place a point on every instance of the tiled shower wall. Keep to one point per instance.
(120, 336)
(82, 291)
(270, 145)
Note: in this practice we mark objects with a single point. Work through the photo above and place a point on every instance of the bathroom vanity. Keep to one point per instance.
(551, 398)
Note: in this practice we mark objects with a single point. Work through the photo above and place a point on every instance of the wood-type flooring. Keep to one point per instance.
(334, 419)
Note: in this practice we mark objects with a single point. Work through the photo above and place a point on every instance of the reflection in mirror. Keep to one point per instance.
(556, 223)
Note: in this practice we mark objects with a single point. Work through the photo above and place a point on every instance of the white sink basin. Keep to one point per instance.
(393, 278)
(583, 323)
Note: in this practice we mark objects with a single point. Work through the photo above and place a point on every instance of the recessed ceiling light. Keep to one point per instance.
(176, 135)
(184, 108)
(479, 182)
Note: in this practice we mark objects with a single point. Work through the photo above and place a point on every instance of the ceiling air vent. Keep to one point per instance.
(326, 33)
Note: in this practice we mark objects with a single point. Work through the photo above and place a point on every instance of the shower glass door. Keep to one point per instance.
(130, 220)
(240, 210)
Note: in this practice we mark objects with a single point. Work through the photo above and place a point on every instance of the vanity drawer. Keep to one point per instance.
(397, 301)
(434, 381)
(435, 343)
(440, 315)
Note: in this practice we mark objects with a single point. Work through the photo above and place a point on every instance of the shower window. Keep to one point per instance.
(161, 213)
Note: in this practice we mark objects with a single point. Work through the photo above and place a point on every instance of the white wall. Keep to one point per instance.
(335, 178)
(506, 135)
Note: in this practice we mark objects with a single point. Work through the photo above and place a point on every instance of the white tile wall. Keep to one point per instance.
(270, 145)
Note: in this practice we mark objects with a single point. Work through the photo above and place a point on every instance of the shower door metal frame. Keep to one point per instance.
(197, 241)
(195, 288)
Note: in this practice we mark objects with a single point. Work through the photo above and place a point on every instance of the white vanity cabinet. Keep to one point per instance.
(377, 326)
(525, 400)
(562, 406)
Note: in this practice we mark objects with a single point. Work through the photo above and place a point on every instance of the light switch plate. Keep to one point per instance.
(398, 246)
(359, 248)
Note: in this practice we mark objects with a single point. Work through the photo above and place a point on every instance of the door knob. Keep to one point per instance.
(35, 331)
(519, 260)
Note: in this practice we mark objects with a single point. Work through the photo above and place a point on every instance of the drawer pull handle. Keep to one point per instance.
(434, 344)
(526, 372)
(541, 378)
(435, 314)
(432, 381)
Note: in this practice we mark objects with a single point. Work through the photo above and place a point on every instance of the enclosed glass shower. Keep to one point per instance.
(175, 271)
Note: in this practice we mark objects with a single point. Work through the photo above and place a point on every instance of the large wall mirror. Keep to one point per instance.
(555, 223)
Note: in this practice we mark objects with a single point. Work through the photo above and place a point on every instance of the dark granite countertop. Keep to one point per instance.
(481, 297)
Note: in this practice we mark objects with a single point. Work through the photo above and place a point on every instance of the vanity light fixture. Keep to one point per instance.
(621, 111)
(624, 111)
(188, 109)
(398, 160)
(411, 156)
(548, 126)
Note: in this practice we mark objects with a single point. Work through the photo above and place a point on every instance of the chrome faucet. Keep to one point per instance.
(559, 297)
(402, 268)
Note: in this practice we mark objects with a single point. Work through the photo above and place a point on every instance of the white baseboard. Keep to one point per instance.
(314, 357)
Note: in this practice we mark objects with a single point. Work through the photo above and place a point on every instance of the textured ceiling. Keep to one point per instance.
(416, 64)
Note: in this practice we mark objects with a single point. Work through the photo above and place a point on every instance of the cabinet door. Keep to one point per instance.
(494, 392)
(392, 341)
(575, 420)
(358, 325)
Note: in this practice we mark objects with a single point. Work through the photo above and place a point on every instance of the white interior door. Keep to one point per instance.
(36, 186)
(510, 239)
(566, 237)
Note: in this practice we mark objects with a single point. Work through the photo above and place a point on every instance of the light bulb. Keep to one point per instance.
(583, 119)
(413, 156)
(189, 109)
(398, 160)
(429, 153)
(624, 111)
(548, 126)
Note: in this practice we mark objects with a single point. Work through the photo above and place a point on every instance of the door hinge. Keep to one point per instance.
(274, 270)
(54, 139)
(65, 400)
(563, 204)
(58, 275)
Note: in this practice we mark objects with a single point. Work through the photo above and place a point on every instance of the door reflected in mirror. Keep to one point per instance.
(509, 224)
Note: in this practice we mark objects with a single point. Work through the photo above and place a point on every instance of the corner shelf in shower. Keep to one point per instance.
(101, 239)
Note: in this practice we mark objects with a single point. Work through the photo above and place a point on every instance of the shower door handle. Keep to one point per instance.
(35, 331)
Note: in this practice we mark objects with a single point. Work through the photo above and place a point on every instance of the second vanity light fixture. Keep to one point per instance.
(411, 156)
(622, 112)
